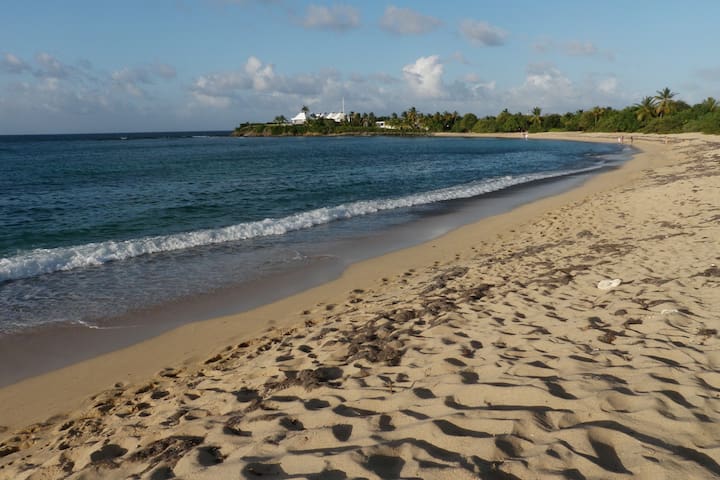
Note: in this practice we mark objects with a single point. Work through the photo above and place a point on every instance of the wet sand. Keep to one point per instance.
(487, 352)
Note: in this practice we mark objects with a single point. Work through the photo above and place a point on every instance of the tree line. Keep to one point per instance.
(660, 113)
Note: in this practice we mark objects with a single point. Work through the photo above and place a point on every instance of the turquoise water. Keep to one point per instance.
(96, 226)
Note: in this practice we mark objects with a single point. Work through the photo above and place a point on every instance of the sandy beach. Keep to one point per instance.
(572, 338)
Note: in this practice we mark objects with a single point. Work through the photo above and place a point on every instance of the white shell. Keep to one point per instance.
(608, 284)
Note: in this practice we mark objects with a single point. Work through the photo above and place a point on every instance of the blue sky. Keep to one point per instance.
(142, 65)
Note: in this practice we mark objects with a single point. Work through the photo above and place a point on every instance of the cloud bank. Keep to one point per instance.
(336, 17)
(482, 33)
(404, 21)
(49, 89)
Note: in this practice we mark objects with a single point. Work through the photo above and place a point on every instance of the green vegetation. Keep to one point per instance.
(660, 113)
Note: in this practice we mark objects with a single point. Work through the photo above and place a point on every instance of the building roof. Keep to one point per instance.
(302, 116)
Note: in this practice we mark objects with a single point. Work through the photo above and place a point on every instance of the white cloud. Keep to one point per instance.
(425, 76)
(131, 80)
(545, 77)
(12, 64)
(131, 75)
(258, 91)
(551, 89)
(544, 85)
(482, 33)
(581, 48)
(475, 82)
(608, 85)
(51, 66)
(261, 76)
(221, 84)
(211, 100)
(49, 85)
(470, 91)
(405, 21)
(336, 17)
(62, 91)
(225, 85)
(221, 90)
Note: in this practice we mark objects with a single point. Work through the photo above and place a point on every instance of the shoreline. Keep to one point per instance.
(48, 348)
(378, 282)
(88, 376)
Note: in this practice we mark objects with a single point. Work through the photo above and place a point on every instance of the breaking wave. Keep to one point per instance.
(44, 261)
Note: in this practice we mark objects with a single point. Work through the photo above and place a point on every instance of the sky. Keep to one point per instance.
(87, 66)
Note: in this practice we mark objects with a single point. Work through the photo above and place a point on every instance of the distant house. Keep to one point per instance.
(383, 124)
(337, 117)
(301, 118)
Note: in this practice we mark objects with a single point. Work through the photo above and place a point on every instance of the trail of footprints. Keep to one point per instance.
(529, 373)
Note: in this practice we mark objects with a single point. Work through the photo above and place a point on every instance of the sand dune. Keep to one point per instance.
(504, 361)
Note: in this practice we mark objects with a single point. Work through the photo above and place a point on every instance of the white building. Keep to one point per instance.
(301, 118)
(338, 117)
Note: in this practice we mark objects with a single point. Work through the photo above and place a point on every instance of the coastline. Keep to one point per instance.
(36, 351)
(244, 325)
(189, 349)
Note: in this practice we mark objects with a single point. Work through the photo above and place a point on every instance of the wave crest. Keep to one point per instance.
(45, 261)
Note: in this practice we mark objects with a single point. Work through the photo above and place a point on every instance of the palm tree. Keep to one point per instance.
(305, 109)
(536, 118)
(710, 104)
(280, 119)
(412, 117)
(598, 112)
(665, 104)
(646, 109)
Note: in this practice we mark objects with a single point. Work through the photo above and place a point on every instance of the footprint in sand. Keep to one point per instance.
(292, 424)
(385, 423)
(342, 431)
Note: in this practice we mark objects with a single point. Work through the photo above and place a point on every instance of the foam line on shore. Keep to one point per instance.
(46, 261)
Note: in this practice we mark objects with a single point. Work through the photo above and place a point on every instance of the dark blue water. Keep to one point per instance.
(95, 226)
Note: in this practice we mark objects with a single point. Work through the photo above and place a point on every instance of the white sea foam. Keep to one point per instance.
(44, 261)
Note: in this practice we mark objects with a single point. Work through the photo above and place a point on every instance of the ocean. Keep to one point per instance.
(97, 230)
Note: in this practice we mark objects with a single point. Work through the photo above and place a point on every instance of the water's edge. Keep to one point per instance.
(38, 351)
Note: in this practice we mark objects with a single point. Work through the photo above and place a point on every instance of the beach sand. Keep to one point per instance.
(488, 353)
